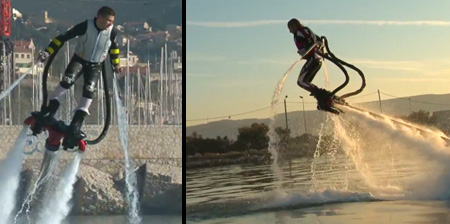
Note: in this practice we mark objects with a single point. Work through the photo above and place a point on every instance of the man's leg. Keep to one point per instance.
(309, 71)
(91, 75)
(72, 72)
(307, 74)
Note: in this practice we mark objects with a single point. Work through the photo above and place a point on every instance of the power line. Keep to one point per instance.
(252, 111)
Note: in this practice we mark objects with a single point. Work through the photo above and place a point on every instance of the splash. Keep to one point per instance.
(49, 164)
(316, 156)
(10, 169)
(325, 147)
(353, 149)
(56, 205)
(273, 137)
(132, 195)
(370, 141)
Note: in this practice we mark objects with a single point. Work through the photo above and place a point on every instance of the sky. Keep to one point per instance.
(238, 50)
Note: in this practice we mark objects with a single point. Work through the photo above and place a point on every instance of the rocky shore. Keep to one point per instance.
(98, 192)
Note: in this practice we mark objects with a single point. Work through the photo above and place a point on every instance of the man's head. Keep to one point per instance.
(293, 25)
(105, 17)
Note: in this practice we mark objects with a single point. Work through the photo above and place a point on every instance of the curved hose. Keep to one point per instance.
(363, 85)
(342, 69)
(105, 88)
(363, 79)
(108, 109)
(44, 79)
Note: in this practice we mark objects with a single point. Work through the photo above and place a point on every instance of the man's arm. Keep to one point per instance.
(58, 41)
(114, 51)
(311, 37)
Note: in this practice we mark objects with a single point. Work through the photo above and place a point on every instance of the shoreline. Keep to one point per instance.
(254, 157)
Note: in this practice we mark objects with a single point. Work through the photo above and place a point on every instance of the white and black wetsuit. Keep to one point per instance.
(304, 38)
(92, 48)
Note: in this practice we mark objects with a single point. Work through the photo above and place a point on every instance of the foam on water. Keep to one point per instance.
(273, 137)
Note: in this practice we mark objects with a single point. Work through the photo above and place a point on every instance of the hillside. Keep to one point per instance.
(168, 11)
(146, 44)
(393, 107)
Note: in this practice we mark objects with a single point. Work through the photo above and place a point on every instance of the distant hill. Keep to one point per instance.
(393, 107)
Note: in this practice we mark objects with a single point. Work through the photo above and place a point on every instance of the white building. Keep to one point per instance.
(132, 62)
(23, 55)
(16, 14)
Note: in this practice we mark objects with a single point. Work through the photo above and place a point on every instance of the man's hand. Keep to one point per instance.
(301, 52)
(43, 55)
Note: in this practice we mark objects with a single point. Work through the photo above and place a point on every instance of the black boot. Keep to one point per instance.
(324, 100)
(44, 117)
(74, 134)
(52, 107)
(321, 94)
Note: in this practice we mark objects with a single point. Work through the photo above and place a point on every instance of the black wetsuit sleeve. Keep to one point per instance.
(114, 49)
(58, 41)
(312, 36)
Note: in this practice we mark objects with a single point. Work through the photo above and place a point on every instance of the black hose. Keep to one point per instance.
(363, 85)
(108, 109)
(342, 69)
(44, 80)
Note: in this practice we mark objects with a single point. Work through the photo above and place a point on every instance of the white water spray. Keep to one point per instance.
(56, 205)
(314, 184)
(10, 169)
(12, 86)
(273, 138)
(42, 179)
(132, 195)
(427, 152)
(353, 149)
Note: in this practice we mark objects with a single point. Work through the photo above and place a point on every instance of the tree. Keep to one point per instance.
(421, 117)
(253, 137)
(196, 144)
(283, 134)
(192, 143)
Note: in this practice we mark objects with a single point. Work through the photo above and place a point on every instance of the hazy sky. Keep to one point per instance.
(238, 50)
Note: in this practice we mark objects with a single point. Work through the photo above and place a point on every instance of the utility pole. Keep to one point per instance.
(229, 125)
(304, 114)
(379, 99)
(285, 113)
